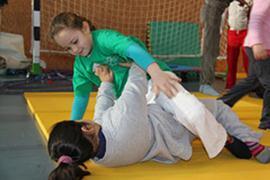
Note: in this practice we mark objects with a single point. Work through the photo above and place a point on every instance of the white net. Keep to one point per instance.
(127, 16)
(176, 21)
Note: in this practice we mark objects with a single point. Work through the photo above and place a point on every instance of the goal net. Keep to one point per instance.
(153, 21)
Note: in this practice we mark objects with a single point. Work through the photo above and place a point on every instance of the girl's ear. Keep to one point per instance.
(86, 27)
(88, 129)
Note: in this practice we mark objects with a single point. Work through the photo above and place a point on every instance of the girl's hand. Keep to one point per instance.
(104, 73)
(166, 82)
(259, 52)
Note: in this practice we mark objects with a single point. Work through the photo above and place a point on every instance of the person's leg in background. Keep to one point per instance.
(259, 74)
(259, 91)
(211, 14)
(263, 70)
(233, 50)
(245, 59)
(244, 86)
(242, 36)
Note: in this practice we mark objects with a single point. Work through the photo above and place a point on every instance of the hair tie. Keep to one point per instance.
(65, 159)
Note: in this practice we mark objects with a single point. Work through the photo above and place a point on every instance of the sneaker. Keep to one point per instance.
(209, 90)
(264, 156)
(225, 91)
(264, 126)
(238, 148)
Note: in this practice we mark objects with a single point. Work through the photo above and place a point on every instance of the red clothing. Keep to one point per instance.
(235, 43)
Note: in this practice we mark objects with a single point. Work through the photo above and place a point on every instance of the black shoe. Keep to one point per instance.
(238, 148)
(264, 123)
(264, 126)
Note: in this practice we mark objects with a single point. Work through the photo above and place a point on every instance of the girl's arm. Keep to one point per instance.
(141, 57)
(161, 80)
(258, 16)
(105, 96)
(79, 106)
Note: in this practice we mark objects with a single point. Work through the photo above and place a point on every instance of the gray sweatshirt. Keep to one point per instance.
(135, 131)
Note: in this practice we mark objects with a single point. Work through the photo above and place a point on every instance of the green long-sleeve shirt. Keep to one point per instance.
(109, 47)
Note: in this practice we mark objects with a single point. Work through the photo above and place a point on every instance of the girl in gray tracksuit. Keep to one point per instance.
(127, 131)
(129, 123)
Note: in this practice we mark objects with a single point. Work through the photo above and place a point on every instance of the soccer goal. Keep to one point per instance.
(163, 22)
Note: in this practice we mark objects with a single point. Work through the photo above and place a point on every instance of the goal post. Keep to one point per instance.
(36, 68)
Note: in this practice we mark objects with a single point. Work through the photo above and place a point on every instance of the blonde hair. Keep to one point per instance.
(68, 20)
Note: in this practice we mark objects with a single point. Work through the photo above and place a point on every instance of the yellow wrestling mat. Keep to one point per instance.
(48, 108)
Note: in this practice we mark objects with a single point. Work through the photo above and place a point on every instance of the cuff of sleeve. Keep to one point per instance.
(147, 65)
(106, 85)
(254, 38)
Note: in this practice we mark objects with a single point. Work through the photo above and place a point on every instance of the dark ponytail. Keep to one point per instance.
(68, 172)
(66, 139)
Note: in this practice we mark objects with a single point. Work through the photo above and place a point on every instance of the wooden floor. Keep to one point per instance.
(48, 108)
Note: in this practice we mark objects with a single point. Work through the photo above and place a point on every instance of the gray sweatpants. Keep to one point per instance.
(211, 15)
(230, 121)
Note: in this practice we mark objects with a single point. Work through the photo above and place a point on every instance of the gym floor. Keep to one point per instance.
(23, 150)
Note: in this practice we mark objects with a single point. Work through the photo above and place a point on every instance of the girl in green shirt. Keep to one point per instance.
(77, 35)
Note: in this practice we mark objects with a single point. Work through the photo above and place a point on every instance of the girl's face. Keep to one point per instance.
(75, 41)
